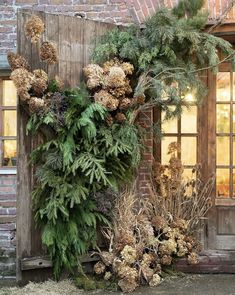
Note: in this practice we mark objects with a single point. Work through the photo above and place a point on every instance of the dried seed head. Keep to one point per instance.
(17, 61)
(34, 28)
(48, 52)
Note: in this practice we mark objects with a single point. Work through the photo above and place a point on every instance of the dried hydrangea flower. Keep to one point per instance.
(123, 238)
(99, 268)
(116, 77)
(124, 104)
(193, 258)
(168, 247)
(126, 271)
(120, 117)
(127, 67)
(48, 52)
(22, 78)
(107, 276)
(155, 281)
(158, 222)
(109, 120)
(40, 80)
(107, 258)
(106, 99)
(127, 286)
(94, 74)
(17, 61)
(23, 94)
(34, 28)
(166, 260)
(36, 104)
(129, 254)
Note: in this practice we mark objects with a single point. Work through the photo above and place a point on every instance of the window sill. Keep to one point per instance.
(8, 171)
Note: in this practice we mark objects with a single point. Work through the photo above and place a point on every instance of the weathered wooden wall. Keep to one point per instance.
(74, 39)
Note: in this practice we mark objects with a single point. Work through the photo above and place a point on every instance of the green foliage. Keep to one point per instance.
(168, 54)
(85, 156)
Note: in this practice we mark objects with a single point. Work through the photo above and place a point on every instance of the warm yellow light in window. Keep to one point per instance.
(189, 97)
(9, 93)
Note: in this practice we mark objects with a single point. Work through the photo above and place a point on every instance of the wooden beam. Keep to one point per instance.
(45, 261)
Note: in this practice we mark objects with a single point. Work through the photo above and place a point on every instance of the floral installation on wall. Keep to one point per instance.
(94, 145)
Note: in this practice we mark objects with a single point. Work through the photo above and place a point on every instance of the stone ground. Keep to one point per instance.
(188, 285)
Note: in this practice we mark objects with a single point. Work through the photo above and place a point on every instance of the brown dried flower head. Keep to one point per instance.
(168, 247)
(23, 94)
(22, 78)
(120, 117)
(107, 276)
(39, 84)
(166, 260)
(109, 120)
(94, 74)
(155, 281)
(34, 28)
(159, 222)
(125, 103)
(17, 61)
(36, 104)
(127, 286)
(48, 52)
(106, 99)
(116, 77)
(193, 258)
(129, 254)
(99, 268)
(127, 67)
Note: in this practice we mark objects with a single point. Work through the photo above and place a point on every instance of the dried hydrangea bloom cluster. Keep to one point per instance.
(48, 52)
(32, 87)
(34, 28)
(142, 244)
(110, 86)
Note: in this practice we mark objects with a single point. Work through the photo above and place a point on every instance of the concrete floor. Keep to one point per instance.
(223, 284)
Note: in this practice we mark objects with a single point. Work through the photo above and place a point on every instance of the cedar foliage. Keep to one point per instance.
(86, 156)
(169, 53)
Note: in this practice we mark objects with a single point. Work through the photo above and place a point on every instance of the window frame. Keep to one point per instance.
(5, 169)
(179, 134)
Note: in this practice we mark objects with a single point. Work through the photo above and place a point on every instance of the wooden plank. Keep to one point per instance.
(45, 261)
(224, 242)
(35, 263)
(24, 210)
(226, 217)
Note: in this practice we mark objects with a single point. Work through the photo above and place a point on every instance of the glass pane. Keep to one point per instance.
(223, 86)
(9, 93)
(234, 183)
(164, 148)
(169, 126)
(233, 118)
(234, 151)
(9, 153)
(188, 174)
(222, 183)
(223, 119)
(189, 150)
(9, 120)
(189, 120)
(222, 150)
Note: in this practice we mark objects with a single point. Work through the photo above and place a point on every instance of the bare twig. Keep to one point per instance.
(222, 17)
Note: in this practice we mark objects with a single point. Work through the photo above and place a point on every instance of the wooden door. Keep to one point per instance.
(220, 122)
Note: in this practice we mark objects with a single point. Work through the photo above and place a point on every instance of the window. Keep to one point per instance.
(8, 102)
(184, 132)
(225, 134)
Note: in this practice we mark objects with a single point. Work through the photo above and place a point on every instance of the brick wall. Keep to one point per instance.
(117, 11)
(7, 226)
